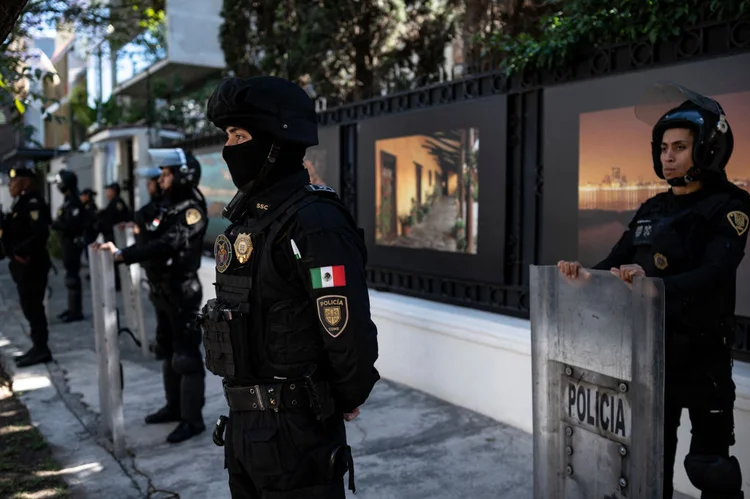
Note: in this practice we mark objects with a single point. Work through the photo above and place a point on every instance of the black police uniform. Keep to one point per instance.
(147, 220)
(290, 329)
(170, 250)
(90, 224)
(114, 213)
(694, 242)
(25, 232)
(70, 224)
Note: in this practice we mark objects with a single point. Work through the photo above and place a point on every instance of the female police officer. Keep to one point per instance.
(693, 238)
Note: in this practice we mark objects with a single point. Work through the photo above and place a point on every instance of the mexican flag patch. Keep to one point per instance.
(328, 277)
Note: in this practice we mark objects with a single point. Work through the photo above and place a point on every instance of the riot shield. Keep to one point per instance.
(598, 382)
(130, 278)
(106, 343)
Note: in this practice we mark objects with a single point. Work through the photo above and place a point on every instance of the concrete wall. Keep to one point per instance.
(482, 361)
(193, 32)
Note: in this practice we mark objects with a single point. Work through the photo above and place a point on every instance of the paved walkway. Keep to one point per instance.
(407, 444)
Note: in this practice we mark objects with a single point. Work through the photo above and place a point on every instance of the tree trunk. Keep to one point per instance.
(10, 11)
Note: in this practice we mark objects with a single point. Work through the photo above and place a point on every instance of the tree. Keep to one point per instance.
(338, 48)
(10, 11)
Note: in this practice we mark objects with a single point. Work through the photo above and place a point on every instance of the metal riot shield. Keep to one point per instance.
(598, 381)
(130, 278)
(106, 341)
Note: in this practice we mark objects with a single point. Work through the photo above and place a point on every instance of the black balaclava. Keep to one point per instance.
(246, 160)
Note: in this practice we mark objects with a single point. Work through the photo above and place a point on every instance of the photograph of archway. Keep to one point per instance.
(616, 172)
(427, 191)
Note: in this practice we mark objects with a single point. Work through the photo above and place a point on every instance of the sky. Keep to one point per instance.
(616, 137)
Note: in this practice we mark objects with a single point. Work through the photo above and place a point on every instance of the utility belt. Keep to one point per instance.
(305, 393)
(272, 397)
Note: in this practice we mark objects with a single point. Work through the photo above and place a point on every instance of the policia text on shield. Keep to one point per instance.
(692, 237)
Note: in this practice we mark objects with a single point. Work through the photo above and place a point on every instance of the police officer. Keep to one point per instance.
(172, 245)
(155, 273)
(114, 213)
(290, 329)
(692, 237)
(24, 238)
(70, 223)
(90, 209)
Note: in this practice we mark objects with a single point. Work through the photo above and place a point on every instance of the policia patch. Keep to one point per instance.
(738, 220)
(333, 312)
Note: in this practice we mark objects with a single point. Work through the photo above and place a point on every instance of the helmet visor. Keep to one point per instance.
(162, 158)
(148, 172)
(665, 96)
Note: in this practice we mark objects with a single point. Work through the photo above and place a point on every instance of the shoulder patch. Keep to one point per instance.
(193, 216)
(333, 312)
(120, 206)
(739, 221)
(319, 188)
(222, 253)
(34, 214)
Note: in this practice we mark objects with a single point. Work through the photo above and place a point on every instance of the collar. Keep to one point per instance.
(265, 201)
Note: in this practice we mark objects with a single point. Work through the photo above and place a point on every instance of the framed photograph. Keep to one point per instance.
(598, 167)
(422, 180)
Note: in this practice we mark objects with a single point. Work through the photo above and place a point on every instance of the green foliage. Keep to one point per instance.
(573, 27)
(337, 48)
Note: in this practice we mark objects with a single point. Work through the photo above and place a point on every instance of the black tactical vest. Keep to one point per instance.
(262, 327)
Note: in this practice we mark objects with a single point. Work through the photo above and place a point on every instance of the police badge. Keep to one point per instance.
(243, 247)
(222, 253)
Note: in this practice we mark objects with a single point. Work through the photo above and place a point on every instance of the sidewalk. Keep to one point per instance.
(407, 444)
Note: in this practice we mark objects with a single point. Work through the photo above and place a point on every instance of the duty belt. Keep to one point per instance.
(271, 397)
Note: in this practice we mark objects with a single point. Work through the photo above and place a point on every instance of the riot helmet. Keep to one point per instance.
(668, 105)
(279, 116)
(265, 104)
(66, 181)
(185, 167)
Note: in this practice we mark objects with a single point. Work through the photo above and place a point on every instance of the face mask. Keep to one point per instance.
(246, 160)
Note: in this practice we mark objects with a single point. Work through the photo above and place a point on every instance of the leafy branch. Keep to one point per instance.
(568, 29)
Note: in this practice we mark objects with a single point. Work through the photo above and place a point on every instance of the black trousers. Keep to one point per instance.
(31, 283)
(72, 264)
(699, 379)
(178, 344)
(284, 455)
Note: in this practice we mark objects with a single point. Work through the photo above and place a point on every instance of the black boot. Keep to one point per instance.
(63, 315)
(163, 415)
(37, 355)
(184, 431)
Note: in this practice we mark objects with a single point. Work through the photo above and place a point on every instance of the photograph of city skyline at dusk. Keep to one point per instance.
(616, 173)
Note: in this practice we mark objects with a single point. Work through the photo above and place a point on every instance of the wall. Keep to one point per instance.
(193, 32)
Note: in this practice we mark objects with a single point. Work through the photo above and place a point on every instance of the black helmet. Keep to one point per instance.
(89, 192)
(21, 173)
(713, 138)
(186, 168)
(66, 180)
(266, 104)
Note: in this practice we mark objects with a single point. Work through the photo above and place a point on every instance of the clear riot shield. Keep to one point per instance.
(109, 369)
(598, 381)
(130, 279)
